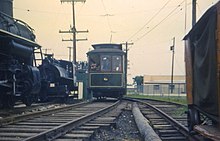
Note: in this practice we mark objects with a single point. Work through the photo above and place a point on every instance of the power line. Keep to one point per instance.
(73, 30)
(40, 11)
(161, 21)
(150, 20)
(107, 15)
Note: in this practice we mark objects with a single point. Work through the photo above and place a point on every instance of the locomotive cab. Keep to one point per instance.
(58, 79)
(106, 71)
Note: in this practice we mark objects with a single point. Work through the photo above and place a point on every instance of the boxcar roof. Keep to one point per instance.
(201, 25)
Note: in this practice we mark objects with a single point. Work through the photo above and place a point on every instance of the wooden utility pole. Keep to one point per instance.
(73, 29)
(46, 49)
(172, 48)
(193, 12)
(126, 62)
(69, 52)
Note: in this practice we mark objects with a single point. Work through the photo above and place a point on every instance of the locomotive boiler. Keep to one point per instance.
(202, 57)
(19, 78)
(106, 71)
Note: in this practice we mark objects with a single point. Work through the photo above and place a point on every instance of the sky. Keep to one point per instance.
(150, 25)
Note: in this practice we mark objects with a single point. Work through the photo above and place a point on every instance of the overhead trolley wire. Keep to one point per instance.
(107, 15)
(149, 20)
(165, 18)
(39, 11)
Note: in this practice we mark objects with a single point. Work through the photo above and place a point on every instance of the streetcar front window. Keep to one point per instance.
(94, 62)
(105, 63)
(116, 63)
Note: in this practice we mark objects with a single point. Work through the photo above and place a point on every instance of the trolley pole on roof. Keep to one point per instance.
(193, 12)
(172, 48)
(73, 29)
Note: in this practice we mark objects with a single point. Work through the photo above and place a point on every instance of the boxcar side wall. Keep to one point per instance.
(201, 63)
(218, 58)
(189, 73)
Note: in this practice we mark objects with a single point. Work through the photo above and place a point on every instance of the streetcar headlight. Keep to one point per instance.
(105, 79)
(52, 85)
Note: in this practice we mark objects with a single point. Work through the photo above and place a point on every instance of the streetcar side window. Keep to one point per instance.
(94, 62)
(105, 63)
(116, 63)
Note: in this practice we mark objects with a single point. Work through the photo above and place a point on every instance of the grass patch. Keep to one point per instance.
(179, 111)
(176, 99)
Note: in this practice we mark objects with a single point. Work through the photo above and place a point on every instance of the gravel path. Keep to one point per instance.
(126, 130)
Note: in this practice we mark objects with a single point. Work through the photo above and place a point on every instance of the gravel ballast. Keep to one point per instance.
(125, 130)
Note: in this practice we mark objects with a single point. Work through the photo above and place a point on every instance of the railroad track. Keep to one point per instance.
(21, 109)
(76, 122)
(167, 120)
(174, 110)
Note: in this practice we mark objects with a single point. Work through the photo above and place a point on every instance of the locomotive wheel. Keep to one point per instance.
(8, 101)
(28, 100)
(43, 96)
(67, 97)
(193, 117)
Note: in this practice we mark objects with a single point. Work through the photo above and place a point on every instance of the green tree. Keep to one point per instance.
(139, 80)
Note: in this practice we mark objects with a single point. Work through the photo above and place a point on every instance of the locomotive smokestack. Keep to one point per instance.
(6, 6)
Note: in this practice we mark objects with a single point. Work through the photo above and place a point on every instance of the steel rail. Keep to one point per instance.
(66, 127)
(157, 100)
(20, 107)
(17, 118)
(171, 120)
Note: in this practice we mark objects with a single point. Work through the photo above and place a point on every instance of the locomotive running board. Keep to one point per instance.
(19, 38)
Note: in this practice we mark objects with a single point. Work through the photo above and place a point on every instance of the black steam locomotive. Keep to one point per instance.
(20, 78)
(107, 71)
(57, 79)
